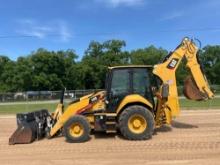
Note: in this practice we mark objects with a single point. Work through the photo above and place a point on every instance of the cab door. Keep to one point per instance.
(142, 83)
(119, 87)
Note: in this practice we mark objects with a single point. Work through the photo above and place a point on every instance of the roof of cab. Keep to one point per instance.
(131, 66)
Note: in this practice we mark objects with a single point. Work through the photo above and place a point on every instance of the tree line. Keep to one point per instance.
(54, 70)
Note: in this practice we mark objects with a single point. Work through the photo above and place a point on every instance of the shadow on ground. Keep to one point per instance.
(181, 125)
(103, 135)
(163, 128)
(174, 124)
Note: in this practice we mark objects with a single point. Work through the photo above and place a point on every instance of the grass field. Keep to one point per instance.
(18, 107)
(209, 104)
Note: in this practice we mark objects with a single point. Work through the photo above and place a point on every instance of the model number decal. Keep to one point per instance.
(172, 63)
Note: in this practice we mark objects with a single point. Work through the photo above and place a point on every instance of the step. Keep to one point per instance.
(110, 123)
(111, 131)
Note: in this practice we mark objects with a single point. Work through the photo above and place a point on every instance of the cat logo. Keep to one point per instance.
(173, 63)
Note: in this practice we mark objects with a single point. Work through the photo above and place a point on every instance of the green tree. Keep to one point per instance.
(148, 56)
(94, 50)
(6, 74)
(210, 58)
(114, 46)
(97, 58)
(52, 69)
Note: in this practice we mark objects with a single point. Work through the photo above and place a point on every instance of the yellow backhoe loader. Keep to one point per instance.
(128, 103)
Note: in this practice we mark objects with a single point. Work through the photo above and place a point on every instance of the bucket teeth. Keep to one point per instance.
(191, 90)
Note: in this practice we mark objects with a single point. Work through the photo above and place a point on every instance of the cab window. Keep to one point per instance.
(141, 81)
(120, 82)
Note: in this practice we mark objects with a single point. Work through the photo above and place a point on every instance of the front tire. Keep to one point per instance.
(136, 123)
(77, 129)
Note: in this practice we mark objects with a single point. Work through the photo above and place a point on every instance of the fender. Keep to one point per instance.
(132, 99)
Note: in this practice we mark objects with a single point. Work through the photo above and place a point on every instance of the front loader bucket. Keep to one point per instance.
(191, 90)
(31, 126)
(23, 134)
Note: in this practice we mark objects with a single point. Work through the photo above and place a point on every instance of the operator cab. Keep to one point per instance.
(126, 80)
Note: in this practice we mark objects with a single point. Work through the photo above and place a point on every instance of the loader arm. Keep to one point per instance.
(84, 103)
(195, 89)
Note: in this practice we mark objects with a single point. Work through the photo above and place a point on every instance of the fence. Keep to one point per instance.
(43, 95)
(35, 100)
(69, 94)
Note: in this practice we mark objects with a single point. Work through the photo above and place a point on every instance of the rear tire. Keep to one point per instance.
(136, 123)
(77, 129)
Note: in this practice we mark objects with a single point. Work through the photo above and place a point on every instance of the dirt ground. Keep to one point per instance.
(193, 139)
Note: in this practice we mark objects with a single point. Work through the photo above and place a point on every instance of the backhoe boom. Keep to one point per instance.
(195, 89)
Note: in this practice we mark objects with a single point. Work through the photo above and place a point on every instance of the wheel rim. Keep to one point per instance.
(137, 124)
(76, 130)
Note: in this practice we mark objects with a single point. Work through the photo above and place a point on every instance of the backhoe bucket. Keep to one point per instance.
(31, 126)
(191, 90)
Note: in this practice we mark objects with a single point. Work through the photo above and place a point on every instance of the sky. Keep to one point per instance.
(27, 25)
